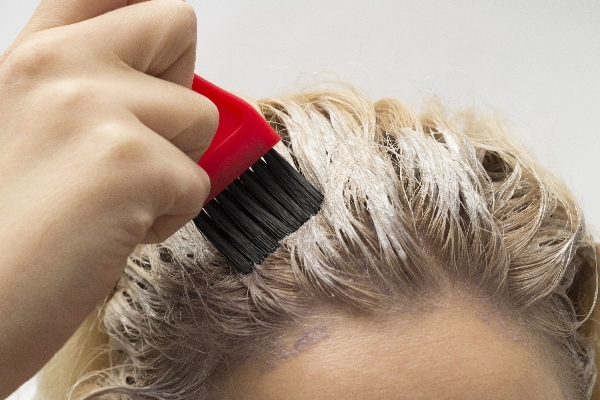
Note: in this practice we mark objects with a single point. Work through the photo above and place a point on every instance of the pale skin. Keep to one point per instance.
(99, 138)
(455, 352)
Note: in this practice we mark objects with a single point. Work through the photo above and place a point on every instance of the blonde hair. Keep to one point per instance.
(415, 204)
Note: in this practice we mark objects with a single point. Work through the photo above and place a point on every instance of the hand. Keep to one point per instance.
(99, 138)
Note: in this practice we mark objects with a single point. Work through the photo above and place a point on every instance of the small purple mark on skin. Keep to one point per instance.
(280, 354)
(484, 316)
(307, 340)
(499, 322)
(269, 365)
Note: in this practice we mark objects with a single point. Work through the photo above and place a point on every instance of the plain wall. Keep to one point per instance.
(536, 62)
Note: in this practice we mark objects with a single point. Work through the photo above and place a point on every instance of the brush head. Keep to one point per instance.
(248, 219)
(256, 198)
(243, 136)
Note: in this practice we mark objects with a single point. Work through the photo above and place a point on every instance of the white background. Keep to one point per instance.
(537, 62)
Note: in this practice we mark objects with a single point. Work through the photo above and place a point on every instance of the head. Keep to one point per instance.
(444, 263)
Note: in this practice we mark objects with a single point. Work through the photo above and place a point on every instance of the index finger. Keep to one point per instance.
(154, 37)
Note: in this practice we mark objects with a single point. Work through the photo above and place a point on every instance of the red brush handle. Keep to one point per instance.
(242, 138)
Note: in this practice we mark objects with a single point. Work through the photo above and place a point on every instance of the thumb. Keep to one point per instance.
(54, 13)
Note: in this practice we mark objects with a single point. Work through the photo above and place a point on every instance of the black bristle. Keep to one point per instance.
(247, 224)
(265, 204)
(226, 220)
(271, 204)
(254, 207)
(218, 237)
(273, 184)
(296, 185)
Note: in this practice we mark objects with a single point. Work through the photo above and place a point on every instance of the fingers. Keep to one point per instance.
(183, 117)
(193, 189)
(171, 188)
(148, 183)
(167, 224)
(155, 37)
(108, 48)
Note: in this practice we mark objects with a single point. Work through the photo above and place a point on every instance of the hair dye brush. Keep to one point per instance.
(256, 198)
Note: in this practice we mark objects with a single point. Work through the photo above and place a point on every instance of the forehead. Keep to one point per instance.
(450, 353)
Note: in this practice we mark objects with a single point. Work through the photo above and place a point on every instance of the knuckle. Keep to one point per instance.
(183, 15)
(32, 58)
(124, 166)
(141, 223)
(187, 14)
(70, 93)
(117, 145)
